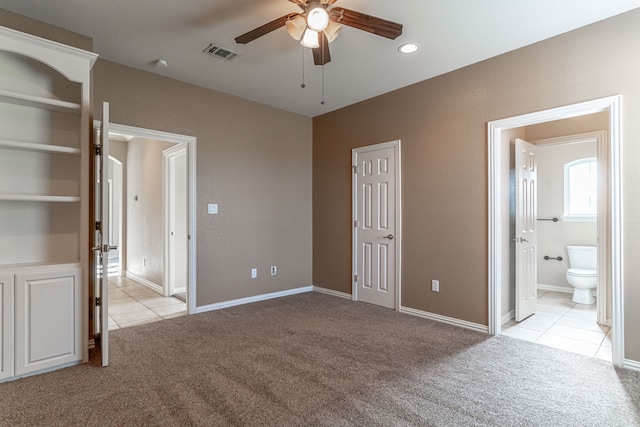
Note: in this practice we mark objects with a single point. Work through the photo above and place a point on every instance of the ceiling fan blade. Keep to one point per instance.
(328, 2)
(265, 29)
(321, 54)
(364, 22)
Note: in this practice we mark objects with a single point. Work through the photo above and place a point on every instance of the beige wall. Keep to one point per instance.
(575, 125)
(44, 30)
(253, 160)
(442, 123)
(145, 207)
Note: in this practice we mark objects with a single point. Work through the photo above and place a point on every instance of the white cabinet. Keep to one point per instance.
(6, 326)
(48, 318)
(44, 202)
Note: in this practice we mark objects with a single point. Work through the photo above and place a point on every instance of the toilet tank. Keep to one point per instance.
(585, 257)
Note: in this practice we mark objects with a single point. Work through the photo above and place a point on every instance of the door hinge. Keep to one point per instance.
(355, 223)
(355, 278)
(98, 301)
(98, 149)
(98, 225)
(355, 169)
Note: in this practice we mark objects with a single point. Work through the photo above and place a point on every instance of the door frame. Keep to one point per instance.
(396, 145)
(167, 189)
(190, 143)
(497, 247)
(119, 213)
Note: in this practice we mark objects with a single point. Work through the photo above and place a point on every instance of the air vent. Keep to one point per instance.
(220, 52)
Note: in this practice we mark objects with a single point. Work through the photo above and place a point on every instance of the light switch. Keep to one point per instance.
(213, 209)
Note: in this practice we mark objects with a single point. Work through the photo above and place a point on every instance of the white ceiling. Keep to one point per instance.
(452, 34)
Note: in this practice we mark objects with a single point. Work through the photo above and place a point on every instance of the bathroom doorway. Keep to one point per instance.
(501, 256)
(572, 213)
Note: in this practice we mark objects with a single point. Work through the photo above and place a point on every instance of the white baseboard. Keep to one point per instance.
(249, 300)
(146, 283)
(631, 365)
(332, 292)
(509, 316)
(444, 319)
(555, 288)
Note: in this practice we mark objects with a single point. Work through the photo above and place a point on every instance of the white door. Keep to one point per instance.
(526, 235)
(375, 208)
(176, 190)
(101, 244)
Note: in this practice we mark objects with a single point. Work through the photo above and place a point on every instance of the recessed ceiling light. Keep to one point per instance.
(408, 48)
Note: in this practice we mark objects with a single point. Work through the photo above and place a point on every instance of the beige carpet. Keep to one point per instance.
(314, 359)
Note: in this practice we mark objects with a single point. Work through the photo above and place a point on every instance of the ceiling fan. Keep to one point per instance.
(317, 26)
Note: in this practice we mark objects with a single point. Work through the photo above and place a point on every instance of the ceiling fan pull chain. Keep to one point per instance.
(322, 102)
(303, 85)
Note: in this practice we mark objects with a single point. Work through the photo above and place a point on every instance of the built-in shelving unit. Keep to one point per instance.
(44, 203)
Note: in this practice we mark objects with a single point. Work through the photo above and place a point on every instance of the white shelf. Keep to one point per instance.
(39, 102)
(32, 146)
(38, 198)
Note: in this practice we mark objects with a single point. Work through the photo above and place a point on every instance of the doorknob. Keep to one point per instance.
(390, 237)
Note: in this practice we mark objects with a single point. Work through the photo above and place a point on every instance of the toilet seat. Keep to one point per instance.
(582, 272)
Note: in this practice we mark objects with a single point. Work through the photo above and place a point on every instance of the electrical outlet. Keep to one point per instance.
(435, 285)
(274, 270)
(254, 273)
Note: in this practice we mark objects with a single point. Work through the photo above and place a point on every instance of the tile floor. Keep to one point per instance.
(563, 324)
(131, 303)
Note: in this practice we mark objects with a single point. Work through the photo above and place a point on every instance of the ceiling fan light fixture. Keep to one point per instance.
(317, 18)
(332, 31)
(310, 39)
(296, 26)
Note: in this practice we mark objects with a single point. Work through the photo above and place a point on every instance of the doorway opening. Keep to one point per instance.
(501, 252)
(154, 268)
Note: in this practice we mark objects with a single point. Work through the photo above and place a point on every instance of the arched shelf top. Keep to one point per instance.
(72, 63)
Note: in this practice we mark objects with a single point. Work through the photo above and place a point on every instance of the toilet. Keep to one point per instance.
(583, 272)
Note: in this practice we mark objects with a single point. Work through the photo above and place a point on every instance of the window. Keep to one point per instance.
(581, 190)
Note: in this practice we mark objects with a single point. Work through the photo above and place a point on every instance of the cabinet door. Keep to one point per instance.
(48, 315)
(6, 326)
